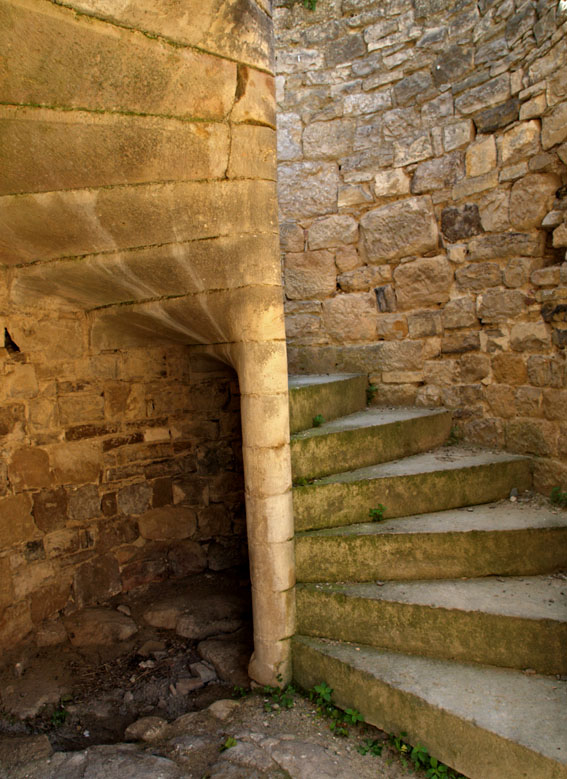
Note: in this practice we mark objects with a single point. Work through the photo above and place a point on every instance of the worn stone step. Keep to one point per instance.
(331, 396)
(489, 723)
(513, 622)
(509, 539)
(446, 478)
(366, 438)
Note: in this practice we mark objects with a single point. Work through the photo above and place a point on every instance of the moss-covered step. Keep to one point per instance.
(330, 396)
(366, 438)
(513, 622)
(444, 479)
(489, 723)
(505, 539)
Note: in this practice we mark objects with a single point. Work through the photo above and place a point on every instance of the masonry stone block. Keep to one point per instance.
(531, 198)
(423, 282)
(481, 156)
(365, 278)
(289, 136)
(500, 306)
(16, 523)
(29, 468)
(459, 312)
(350, 317)
(310, 274)
(332, 231)
(168, 523)
(438, 173)
(307, 189)
(399, 229)
(523, 140)
(460, 222)
(530, 337)
(388, 183)
(554, 126)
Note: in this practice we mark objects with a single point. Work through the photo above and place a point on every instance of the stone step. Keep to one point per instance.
(509, 539)
(444, 479)
(514, 622)
(488, 723)
(331, 396)
(366, 438)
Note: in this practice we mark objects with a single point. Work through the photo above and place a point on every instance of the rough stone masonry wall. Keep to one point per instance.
(137, 225)
(119, 468)
(422, 170)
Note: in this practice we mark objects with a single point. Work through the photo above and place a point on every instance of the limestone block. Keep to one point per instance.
(531, 198)
(457, 135)
(497, 245)
(134, 499)
(460, 222)
(497, 117)
(351, 317)
(292, 238)
(467, 187)
(345, 50)
(332, 231)
(474, 367)
(529, 401)
(501, 400)
(546, 277)
(391, 327)
(256, 409)
(328, 140)
(529, 337)
(50, 599)
(15, 624)
(252, 153)
(256, 97)
(413, 86)
(400, 356)
(62, 542)
(554, 126)
(298, 60)
(11, 418)
(398, 230)
(459, 312)
(517, 272)
(78, 222)
(423, 282)
(309, 275)
(6, 585)
(459, 343)
(496, 306)
(78, 462)
(533, 108)
(21, 382)
(365, 278)
(304, 329)
(413, 149)
(50, 509)
(521, 141)
(96, 581)
(104, 67)
(388, 183)
(99, 626)
(289, 136)
(443, 373)
(80, 407)
(488, 94)
(555, 404)
(531, 436)
(166, 149)
(369, 103)
(509, 369)
(307, 189)
(347, 258)
(438, 173)
(481, 156)
(167, 523)
(187, 558)
(244, 36)
(494, 211)
(16, 523)
(29, 468)
(352, 196)
(424, 324)
(560, 235)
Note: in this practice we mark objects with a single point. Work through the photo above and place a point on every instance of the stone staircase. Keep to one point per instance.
(443, 621)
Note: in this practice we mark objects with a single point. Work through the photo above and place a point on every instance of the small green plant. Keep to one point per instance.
(310, 4)
(371, 391)
(558, 497)
(455, 436)
(372, 746)
(59, 716)
(239, 692)
(377, 514)
(301, 482)
(340, 721)
(353, 717)
(421, 759)
(228, 744)
(318, 420)
(279, 697)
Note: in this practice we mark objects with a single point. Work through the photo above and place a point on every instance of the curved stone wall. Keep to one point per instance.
(138, 216)
(422, 169)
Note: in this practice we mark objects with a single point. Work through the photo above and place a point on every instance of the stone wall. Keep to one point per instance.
(120, 468)
(422, 170)
(138, 221)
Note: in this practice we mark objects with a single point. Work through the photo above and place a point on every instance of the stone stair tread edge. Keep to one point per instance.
(528, 710)
(369, 417)
(527, 597)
